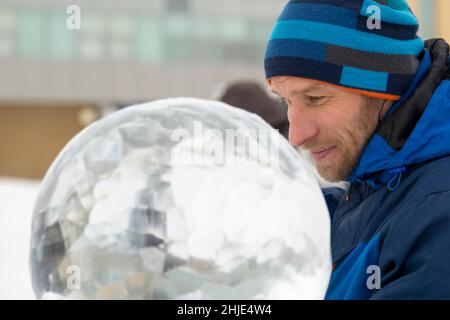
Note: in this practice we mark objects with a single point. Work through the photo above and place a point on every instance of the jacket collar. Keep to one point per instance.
(413, 131)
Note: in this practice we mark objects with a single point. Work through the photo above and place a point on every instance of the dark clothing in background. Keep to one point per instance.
(252, 97)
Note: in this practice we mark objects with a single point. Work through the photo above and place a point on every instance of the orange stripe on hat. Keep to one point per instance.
(373, 94)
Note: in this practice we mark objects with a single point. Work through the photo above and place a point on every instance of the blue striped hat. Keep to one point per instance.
(339, 42)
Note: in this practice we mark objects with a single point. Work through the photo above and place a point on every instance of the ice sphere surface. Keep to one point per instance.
(180, 199)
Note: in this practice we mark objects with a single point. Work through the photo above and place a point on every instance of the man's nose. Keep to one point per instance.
(302, 126)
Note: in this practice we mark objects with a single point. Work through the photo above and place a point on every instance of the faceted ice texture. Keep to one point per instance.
(129, 210)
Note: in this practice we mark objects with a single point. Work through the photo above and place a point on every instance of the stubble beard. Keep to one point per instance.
(341, 166)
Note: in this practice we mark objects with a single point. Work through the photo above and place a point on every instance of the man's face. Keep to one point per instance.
(332, 123)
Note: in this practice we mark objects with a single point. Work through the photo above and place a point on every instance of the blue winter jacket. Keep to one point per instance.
(390, 232)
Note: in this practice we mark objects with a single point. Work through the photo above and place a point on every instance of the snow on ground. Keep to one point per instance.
(16, 203)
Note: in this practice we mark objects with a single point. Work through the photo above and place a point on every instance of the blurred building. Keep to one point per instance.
(55, 79)
(129, 50)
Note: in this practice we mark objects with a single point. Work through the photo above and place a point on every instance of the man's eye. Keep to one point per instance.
(316, 99)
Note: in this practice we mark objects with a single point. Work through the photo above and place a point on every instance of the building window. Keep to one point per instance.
(61, 40)
(91, 49)
(7, 33)
(150, 41)
(107, 37)
(93, 37)
(178, 25)
(120, 37)
(31, 35)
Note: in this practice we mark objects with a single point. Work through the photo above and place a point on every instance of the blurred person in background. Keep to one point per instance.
(253, 97)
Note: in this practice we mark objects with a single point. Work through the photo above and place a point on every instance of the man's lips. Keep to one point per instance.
(320, 154)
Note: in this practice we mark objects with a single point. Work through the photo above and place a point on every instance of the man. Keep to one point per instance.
(372, 105)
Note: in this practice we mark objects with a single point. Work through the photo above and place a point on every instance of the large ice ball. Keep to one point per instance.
(180, 199)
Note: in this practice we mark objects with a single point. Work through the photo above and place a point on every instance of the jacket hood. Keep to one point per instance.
(416, 129)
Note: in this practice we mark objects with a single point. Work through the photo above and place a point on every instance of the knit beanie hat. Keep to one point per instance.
(367, 46)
